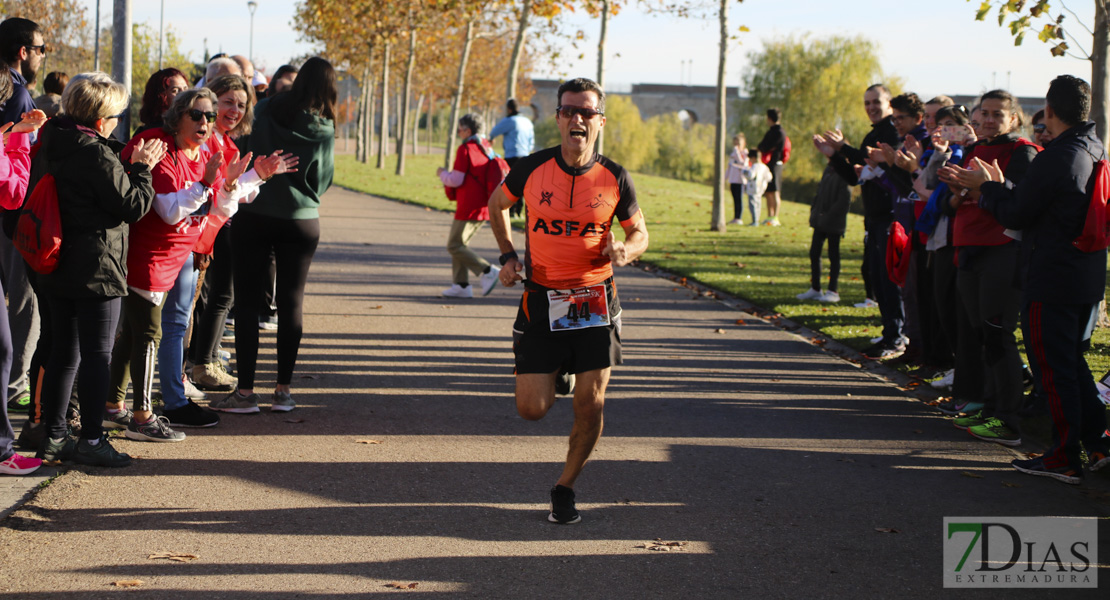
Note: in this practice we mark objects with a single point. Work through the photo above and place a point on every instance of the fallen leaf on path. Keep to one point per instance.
(375, 307)
(659, 545)
(1008, 484)
(127, 583)
(720, 331)
(174, 556)
(368, 442)
(887, 530)
(309, 377)
(918, 431)
(402, 586)
(970, 474)
(294, 420)
(739, 321)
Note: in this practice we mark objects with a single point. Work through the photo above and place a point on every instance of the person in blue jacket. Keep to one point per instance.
(520, 138)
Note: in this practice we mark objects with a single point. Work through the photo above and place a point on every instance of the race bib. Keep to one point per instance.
(578, 309)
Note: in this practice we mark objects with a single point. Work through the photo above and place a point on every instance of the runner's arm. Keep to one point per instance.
(635, 242)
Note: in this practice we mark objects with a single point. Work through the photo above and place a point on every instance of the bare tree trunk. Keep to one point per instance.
(601, 64)
(429, 130)
(456, 101)
(383, 136)
(361, 143)
(371, 112)
(416, 125)
(405, 100)
(718, 221)
(518, 47)
(1100, 75)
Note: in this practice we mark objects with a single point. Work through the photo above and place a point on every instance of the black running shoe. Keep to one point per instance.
(100, 455)
(191, 415)
(562, 506)
(55, 451)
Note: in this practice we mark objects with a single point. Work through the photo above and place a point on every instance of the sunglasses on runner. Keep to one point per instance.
(568, 112)
(197, 114)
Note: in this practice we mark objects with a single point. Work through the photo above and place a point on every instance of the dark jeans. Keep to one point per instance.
(7, 436)
(884, 290)
(293, 243)
(42, 350)
(1056, 336)
(218, 297)
(946, 299)
(83, 331)
(986, 286)
(737, 190)
(815, 245)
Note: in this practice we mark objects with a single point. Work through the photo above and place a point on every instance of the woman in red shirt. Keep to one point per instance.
(193, 191)
(465, 184)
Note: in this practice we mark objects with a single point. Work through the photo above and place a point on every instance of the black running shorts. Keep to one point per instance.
(538, 349)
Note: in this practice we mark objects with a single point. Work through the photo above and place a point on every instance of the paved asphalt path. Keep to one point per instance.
(773, 461)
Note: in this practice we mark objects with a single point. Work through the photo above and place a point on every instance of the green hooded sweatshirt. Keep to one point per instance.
(310, 137)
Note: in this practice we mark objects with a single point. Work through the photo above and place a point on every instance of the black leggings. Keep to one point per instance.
(737, 190)
(209, 324)
(83, 331)
(293, 242)
(819, 238)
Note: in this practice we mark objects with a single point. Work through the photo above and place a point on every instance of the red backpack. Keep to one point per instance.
(1096, 228)
(38, 233)
(496, 172)
(786, 148)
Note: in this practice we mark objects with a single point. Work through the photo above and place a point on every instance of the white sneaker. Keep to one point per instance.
(945, 381)
(867, 303)
(830, 296)
(736, 222)
(810, 294)
(458, 291)
(488, 281)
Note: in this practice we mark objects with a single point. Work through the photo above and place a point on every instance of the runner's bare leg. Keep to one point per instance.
(589, 403)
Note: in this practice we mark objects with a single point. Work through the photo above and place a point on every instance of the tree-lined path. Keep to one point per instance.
(774, 462)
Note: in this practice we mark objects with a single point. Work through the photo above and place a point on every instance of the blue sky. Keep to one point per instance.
(936, 46)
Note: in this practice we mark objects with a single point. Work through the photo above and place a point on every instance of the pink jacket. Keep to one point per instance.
(15, 170)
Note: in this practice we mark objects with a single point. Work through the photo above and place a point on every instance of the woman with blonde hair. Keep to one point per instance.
(98, 196)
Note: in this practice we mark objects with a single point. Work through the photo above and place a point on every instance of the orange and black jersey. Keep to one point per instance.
(569, 212)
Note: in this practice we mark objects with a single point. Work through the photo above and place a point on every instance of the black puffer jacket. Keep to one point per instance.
(98, 195)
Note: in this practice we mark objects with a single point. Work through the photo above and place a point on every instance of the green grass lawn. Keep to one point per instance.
(766, 266)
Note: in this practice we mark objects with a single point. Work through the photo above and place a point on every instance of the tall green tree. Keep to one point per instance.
(817, 83)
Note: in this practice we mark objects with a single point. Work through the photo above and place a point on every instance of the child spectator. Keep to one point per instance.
(759, 177)
(828, 216)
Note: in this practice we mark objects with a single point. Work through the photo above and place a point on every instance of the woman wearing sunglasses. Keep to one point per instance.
(284, 220)
(193, 191)
(234, 116)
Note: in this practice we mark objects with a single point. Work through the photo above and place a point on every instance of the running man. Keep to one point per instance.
(568, 325)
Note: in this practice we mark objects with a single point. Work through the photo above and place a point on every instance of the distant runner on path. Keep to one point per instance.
(568, 325)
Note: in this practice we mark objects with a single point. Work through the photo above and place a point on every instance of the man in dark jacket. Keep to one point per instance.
(878, 208)
(773, 145)
(1061, 285)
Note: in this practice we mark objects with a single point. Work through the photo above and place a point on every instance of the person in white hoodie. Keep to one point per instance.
(759, 177)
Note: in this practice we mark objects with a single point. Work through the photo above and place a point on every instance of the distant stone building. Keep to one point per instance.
(697, 103)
